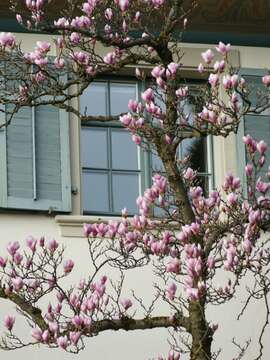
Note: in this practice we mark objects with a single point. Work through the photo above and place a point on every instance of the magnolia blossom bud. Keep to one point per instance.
(126, 303)
(222, 48)
(62, 342)
(9, 322)
(68, 266)
(207, 56)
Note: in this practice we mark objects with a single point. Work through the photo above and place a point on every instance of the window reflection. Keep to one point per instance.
(111, 173)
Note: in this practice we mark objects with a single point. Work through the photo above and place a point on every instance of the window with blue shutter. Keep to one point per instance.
(256, 125)
(34, 160)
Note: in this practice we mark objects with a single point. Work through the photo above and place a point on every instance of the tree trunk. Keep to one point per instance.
(200, 331)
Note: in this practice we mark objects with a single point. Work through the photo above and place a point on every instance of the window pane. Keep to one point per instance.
(124, 151)
(120, 94)
(196, 149)
(94, 147)
(157, 164)
(258, 126)
(125, 192)
(188, 110)
(93, 99)
(95, 192)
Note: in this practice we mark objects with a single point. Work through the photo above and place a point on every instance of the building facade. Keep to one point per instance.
(49, 173)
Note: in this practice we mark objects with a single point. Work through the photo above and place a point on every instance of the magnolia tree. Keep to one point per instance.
(200, 235)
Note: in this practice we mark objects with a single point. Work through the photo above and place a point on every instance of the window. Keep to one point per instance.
(34, 161)
(114, 170)
(112, 165)
(199, 150)
(258, 126)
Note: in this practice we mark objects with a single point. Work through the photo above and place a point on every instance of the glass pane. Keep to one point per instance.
(160, 99)
(257, 90)
(196, 149)
(258, 126)
(188, 110)
(157, 163)
(95, 192)
(93, 99)
(94, 147)
(124, 151)
(120, 94)
(125, 192)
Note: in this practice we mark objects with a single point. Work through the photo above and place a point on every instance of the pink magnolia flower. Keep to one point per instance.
(17, 283)
(157, 71)
(173, 356)
(61, 23)
(232, 199)
(172, 70)
(126, 303)
(19, 18)
(43, 46)
(127, 119)
(45, 336)
(173, 266)
(137, 139)
(31, 243)
(207, 56)
(261, 147)
(219, 66)
(77, 320)
(123, 4)
(213, 80)
(189, 174)
(7, 39)
(193, 293)
(148, 95)
(68, 266)
(182, 92)
(266, 80)
(110, 58)
(210, 262)
(53, 245)
(222, 48)
(9, 322)
(62, 342)
(158, 3)
(17, 258)
(13, 247)
(59, 63)
(88, 8)
(54, 327)
(227, 82)
(200, 68)
(249, 169)
(171, 290)
(74, 337)
(36, 333)
(124, 212)
(108, 13)
(3, 262)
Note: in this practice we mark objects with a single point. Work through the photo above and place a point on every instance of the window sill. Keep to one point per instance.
(72, 225)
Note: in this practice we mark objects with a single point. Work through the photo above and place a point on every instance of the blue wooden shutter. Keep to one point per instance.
(258, 126)
(34, 161)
